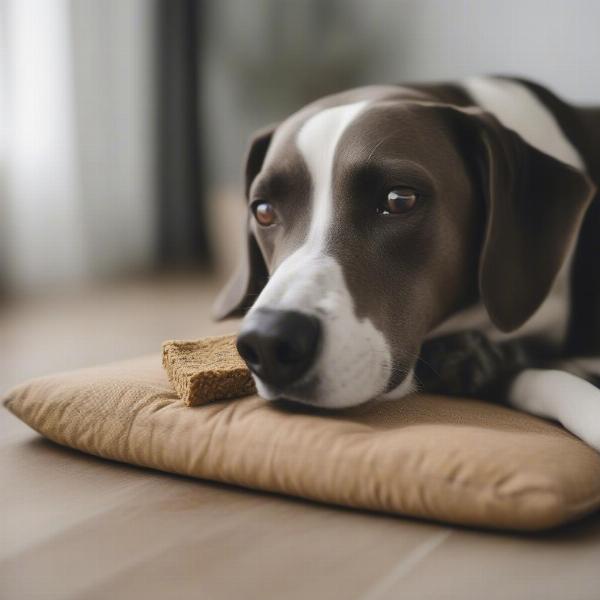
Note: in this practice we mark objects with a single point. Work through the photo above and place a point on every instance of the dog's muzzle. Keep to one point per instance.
(279, 346)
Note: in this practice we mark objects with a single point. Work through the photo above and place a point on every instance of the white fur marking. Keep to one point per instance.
(518, 109)
(355, 361)
(558, 395)
(317, 141)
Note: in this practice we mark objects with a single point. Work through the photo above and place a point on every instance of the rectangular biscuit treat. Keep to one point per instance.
(206, 370)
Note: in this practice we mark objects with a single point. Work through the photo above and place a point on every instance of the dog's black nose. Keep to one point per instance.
(279, 345)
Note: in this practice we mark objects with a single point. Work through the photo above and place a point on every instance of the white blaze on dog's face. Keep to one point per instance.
(355, 359)
(373, 216)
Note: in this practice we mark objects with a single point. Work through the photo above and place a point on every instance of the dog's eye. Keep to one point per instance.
(398, 202)
(264, 213)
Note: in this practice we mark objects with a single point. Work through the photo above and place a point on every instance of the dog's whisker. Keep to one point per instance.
(419, 387)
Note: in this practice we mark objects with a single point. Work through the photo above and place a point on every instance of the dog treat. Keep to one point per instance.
(205, 370)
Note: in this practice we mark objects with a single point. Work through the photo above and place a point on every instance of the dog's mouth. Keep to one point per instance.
(303, 392)
(309, 392)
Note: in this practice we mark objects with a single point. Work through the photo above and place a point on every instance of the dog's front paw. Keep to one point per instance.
(561, 396)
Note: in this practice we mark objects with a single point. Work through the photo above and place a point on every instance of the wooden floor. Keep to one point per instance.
(73, 526)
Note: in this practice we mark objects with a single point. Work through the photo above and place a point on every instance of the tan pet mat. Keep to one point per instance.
(447, 459)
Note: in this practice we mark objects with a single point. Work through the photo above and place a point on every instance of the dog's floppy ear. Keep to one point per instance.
(251, 274)
(535, 205)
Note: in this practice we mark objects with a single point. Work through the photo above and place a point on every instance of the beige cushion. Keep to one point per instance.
(445, 459)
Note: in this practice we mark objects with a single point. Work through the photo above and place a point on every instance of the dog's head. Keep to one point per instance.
(375, 214)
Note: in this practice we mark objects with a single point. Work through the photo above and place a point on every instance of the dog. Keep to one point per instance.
(384, 219)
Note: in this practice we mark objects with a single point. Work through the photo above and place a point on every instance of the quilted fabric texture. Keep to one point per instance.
(439, 458)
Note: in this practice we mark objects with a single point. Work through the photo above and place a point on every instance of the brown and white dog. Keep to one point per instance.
(385, 216)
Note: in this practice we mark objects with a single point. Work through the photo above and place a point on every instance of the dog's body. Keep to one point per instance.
(387, 216)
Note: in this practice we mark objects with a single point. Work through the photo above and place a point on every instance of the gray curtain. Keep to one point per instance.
(182, 228)
(100, 164)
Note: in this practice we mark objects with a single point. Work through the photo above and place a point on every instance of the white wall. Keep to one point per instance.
(556, 42)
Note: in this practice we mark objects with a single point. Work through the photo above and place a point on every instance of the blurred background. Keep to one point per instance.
(123, 125)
